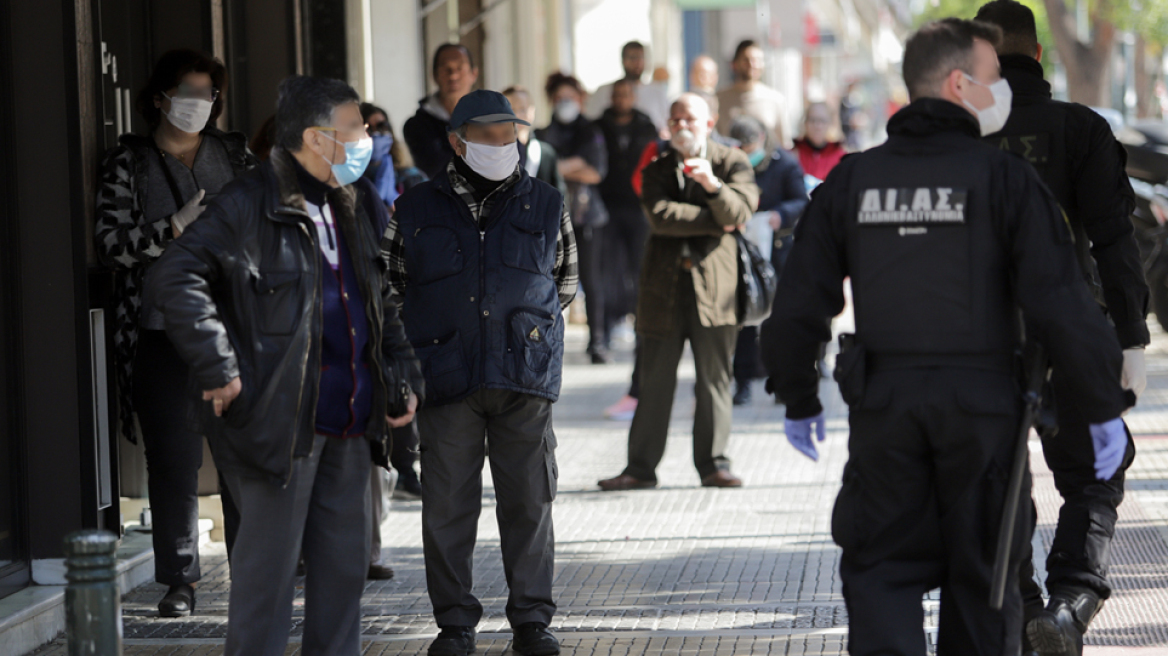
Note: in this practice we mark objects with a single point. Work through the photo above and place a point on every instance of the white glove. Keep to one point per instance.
(1135, 373)
(189, 212)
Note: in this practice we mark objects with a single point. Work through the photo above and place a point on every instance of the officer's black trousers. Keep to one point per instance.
(930, 455)
(1081, 552)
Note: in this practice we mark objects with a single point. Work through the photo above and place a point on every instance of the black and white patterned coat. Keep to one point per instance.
(128, 243)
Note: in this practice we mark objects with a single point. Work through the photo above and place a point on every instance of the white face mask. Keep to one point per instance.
(567, 111)
(993, 118)
(188, 114)
(495, 163)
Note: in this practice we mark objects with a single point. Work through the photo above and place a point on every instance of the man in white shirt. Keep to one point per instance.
(748, 96)
(652, 97)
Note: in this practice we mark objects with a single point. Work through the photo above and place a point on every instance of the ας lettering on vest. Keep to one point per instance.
(919, 206)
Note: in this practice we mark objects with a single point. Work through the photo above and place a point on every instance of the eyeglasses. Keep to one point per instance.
(210, 94)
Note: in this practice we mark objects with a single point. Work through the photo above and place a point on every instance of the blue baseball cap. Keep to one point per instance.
(483, 107)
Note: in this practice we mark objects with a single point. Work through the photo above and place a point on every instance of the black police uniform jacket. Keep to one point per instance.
(240, 291)
(1078, 157)
(944, 237)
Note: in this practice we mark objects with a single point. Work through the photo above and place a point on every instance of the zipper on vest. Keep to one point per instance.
(483, 299)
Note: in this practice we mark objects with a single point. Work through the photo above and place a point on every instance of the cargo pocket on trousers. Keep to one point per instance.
(553, 470)
(846, 519)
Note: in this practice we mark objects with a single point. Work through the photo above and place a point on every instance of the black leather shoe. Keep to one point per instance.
(178, 602)
(453, 641)
(1059, 629)
(378, 572)
(534, 639)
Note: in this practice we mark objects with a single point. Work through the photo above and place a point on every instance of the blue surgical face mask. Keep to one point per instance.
(382, 143)
(357, 156)
(757, 157)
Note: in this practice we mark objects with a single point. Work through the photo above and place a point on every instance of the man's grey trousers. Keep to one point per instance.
(517, 428)
(322, 510)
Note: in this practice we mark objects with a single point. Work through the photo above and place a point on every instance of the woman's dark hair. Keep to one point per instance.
(557, 80)
(169, 72)
(264, 138)
(398, 151)
(303, 102)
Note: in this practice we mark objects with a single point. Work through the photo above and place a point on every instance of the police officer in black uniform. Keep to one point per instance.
(944, 238)
(1074, 151)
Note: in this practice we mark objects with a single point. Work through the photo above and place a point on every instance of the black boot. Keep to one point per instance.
(453, 641)
(1059, 629)
(742, 392)
(534, 639)
(178, 602)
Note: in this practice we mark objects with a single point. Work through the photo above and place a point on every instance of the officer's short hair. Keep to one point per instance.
(304, 102)
(940, 47)
(1019, 31)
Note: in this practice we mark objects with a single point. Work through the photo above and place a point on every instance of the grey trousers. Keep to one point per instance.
(323, 511)
(380, 487)
(713, 351)
(518, 429)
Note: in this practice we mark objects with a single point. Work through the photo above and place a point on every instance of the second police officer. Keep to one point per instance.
(944, 238)
(1076, 154)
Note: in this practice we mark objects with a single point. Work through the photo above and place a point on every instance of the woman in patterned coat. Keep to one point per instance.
(152, 187)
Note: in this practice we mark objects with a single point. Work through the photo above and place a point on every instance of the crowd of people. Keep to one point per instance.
(329, 297)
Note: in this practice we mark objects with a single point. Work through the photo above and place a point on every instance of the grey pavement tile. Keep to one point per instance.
(687, 570)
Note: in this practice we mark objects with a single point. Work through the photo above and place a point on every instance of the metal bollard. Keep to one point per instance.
(93, 605)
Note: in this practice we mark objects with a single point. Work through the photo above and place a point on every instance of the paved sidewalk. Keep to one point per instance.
(687, 570)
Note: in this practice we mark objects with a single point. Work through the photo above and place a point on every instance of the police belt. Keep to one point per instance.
(999, 362)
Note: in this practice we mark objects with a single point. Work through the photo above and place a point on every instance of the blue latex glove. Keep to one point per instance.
(799, 434)
(1110, 441)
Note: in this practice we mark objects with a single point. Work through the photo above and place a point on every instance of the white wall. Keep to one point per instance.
(601, 28)
(399, 68)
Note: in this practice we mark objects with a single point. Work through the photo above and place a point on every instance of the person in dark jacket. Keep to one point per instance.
(782, 197)
(455, 74)
(485, 259)
(584, 164)
(278, 301)
(945, 239)
(152, 188)
(1076, 154)
(627, 132)
(538, 158)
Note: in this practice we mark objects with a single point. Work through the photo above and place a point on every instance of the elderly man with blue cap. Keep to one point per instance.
(484, 258)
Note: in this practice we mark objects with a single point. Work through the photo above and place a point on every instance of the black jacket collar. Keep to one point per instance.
(1025, 77)
(928, 116)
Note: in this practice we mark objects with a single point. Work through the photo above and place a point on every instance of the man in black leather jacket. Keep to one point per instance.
(277, 298)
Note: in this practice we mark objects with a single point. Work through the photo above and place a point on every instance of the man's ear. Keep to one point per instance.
(1039, 55)
(456, 144)
(309, 138)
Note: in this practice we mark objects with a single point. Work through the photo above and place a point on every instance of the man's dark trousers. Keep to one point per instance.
(1081, 552)
(713, 350)
(517, 428)
(929, 459)
(323, 510)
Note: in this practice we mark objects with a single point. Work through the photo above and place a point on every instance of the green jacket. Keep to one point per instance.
(680, 211)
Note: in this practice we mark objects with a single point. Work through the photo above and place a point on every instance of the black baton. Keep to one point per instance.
(1036, 372)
